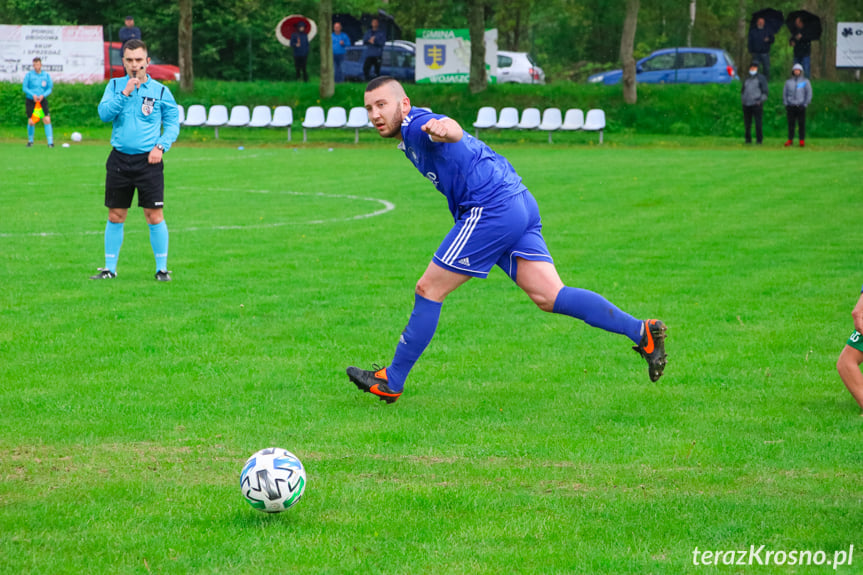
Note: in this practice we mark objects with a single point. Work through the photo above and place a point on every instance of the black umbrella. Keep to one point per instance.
(811, 24)
(773, 19)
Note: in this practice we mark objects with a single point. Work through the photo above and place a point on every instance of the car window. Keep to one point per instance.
(504, 61)
(660, 62)
(353, 55)
(697, 60)
(116, 59)
(387, 59)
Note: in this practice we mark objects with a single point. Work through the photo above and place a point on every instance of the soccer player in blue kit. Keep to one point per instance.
(145, 124)
(496, 222)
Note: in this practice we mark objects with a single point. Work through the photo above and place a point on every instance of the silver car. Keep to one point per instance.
(519, 68)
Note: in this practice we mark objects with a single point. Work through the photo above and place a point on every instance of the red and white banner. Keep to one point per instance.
(68, 53)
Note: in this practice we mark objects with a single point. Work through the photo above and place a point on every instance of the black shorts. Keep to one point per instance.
(31, 105)
(125, 172)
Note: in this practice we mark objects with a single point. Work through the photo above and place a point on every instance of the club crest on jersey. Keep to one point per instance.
(147, 106)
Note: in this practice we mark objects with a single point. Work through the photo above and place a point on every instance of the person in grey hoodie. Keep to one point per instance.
(796, 97)
(753, 94)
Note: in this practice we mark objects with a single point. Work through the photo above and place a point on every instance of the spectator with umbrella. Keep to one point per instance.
(762, 33)
(804, 27)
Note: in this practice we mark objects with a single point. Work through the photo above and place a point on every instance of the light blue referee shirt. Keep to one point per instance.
(468, 172)
(37, 84)
(146, 118)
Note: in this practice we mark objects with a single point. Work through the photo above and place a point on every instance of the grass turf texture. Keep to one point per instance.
(524, 442)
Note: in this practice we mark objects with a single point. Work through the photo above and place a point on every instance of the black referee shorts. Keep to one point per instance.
(125, 173)
(31, 105)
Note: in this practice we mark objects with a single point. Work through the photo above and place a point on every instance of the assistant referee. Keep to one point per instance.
(146, 123)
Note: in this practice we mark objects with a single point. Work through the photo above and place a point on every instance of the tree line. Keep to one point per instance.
(235, 39)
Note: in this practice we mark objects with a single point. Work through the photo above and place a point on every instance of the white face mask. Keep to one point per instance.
(753, 72)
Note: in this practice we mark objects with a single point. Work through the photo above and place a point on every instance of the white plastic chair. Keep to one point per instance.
(508, 119)
(218, 116)
(197, 116)
(530, 118)
(336, 117)
(239, 117)
(182, 113)
(573, 120)
(551, 121)
(314, 119)
(486, 117)
(261, 117)
(283, 117)
(595, 122)
(358, 118)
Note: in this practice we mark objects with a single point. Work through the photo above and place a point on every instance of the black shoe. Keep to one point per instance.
(29, 144)
(104, 274)
(50, 145)
(163, 276)
(652, 347)
(374, 382)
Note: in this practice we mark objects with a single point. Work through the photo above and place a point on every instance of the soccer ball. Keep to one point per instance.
(76, 136)
(273, 480)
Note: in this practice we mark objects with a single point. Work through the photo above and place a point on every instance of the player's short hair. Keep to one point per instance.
(379, 81)
(37, 59)
(134, 44)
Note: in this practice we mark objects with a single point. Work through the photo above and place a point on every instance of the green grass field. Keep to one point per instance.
(524, 443)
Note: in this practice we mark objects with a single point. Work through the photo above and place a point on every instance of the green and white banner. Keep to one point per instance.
(443, 56)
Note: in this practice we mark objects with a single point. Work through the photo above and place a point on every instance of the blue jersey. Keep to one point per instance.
(37, 84)
(139, 119)
(468, 172)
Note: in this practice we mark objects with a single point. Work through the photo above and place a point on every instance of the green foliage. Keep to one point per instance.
(705, 110)
(524, 443)
(235, 40)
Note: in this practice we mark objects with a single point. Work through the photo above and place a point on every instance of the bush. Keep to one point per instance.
(694, 110)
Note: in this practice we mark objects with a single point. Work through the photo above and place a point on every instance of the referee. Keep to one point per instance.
(146, 123)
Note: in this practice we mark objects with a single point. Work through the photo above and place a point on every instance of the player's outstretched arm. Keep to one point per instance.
(444, 130)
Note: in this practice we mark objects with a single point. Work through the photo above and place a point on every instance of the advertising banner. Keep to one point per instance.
(849, 45)
(443, 56)
(68, 53)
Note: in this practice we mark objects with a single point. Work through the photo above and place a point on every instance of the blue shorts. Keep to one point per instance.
(487, 235)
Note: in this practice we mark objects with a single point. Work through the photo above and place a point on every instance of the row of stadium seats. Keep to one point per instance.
(282, 117)
(549, 120)
(356, 119)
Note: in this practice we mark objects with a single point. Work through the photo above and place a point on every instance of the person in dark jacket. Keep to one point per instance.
(300, 46)
(796, 97)
(753, 94)
(373, 41)
(760, 42)
(802, 44)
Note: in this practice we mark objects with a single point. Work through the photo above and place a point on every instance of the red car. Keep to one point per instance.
(156, 69)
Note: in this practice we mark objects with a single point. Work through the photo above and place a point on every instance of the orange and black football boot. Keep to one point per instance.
(652, 347)
(374, 382)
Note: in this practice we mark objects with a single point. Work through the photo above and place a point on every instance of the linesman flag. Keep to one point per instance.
(38, 113)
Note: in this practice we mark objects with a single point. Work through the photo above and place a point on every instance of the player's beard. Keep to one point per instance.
(395, 124)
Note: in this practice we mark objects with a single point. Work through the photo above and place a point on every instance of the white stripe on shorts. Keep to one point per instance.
(463, 236)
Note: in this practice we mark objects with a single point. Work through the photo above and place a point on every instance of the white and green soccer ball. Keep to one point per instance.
(273, 480)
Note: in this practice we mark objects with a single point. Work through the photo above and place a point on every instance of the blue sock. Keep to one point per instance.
(413, 341)
(159, 241)
(31, 131)
(113, 242)
(597, 311)
(49, 133)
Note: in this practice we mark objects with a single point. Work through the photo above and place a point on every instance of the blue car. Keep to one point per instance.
(398, 61)
(678, 66)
